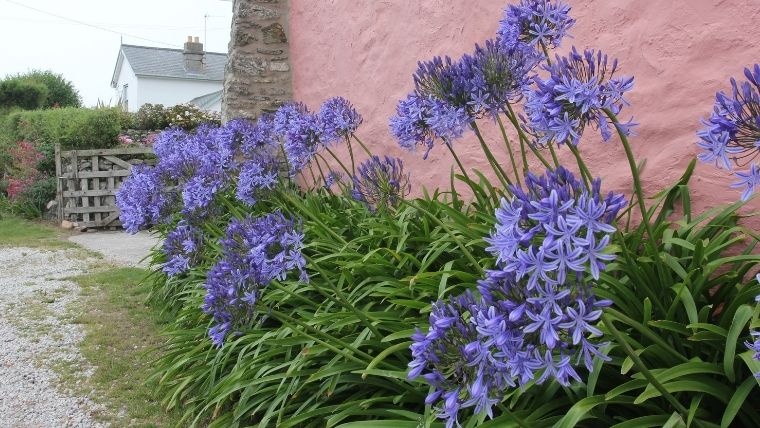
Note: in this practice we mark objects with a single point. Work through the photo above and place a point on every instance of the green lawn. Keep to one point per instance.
(16, 232)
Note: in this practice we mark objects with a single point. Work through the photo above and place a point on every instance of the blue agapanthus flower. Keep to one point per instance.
(380, 182)
(537, 315)
(534, 22)
(731, 136)
(182, 248)
(339, 119)
(255, 251)
(578, 89)
(142, 200)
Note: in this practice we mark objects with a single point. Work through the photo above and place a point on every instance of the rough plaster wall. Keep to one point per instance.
(257, 75)
(680, 52)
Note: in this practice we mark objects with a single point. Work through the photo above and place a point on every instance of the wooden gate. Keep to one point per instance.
(88, 180)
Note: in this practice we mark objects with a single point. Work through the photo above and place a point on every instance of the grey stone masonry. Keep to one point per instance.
(257, 78)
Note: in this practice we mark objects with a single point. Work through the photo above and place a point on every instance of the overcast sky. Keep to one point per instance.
(38, 39)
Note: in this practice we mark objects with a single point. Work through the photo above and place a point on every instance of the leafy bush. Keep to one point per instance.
(72, 128)
(60, 92)
(24, 94)
(188, 116)
(539, 302)
(151, 117)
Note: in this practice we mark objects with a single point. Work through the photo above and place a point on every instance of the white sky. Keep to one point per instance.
(86, 56)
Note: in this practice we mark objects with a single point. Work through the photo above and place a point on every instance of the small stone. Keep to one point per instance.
(51, 204)
(65, 224)
(279, 66)
(274, 34)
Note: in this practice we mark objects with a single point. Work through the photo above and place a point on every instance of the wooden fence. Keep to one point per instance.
(88, 180)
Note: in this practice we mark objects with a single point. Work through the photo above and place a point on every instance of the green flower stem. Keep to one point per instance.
(456, 239)
(321, 173)
(351, 153)
(457, 160)
(337, 159)
(636, 181)
(523, 138)
(366, 150)
(313, 177)
(343, 301)
(511, 154)
(500, 174)
(641, 367)
(554, 155)
(287, 163)
(585, 173)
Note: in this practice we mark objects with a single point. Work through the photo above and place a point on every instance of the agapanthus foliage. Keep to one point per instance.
(142, 200)
(534, 22)
(577, 91)
(182, 248)
(255, 251)
(731, 136)
(536, 316)
(381, 182)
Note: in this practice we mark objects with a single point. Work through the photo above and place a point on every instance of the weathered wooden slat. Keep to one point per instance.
(117, 161)
(117, 151)
(58, 183)
(110, 219)
(95, 186)
(99, 174)
(80, 193)
(85, 200)
(81, 210)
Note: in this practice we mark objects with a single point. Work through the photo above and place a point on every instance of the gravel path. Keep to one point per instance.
(118, 247)
(38, 334)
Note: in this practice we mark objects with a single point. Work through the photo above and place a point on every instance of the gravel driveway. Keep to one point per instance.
(38, 332)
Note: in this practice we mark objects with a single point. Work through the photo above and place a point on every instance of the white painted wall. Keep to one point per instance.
(126, 76)
(170, 92)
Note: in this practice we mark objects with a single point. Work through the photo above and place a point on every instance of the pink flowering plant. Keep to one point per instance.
(312, 290)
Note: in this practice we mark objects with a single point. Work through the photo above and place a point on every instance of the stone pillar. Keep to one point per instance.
(257, 76)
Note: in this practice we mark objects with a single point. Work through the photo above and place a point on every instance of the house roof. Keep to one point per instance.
(206, 102)
(148, 61)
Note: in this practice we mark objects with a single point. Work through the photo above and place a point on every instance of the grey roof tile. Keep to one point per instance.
(163, 62)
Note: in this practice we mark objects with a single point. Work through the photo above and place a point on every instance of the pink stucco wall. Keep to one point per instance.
(680, 52)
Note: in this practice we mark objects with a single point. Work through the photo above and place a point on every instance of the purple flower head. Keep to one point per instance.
(381, 183)
(339, 119)
(255, 251)
(749, 179)
(142, 200)
(182, 248)
(302, 133)
(731, 136)
(333, 177)
(533, 22)
(578, 89)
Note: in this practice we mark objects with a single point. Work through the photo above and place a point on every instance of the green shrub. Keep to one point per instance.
(150, 117)
(27, 95)
(60, 92)
(188, 116)
(72, 128)
(33, 201)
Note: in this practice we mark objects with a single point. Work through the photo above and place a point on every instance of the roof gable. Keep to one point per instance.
(147, 61)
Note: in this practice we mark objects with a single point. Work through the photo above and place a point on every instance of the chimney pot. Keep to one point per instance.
(194, 55)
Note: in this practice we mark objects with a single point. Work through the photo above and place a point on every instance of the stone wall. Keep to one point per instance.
(257, 77)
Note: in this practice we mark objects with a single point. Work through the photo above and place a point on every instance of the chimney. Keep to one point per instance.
(194, 55)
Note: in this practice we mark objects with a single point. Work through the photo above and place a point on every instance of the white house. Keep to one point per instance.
(146, 74)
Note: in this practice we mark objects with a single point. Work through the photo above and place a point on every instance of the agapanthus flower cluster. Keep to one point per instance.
(731, 136)
(182, 248)
(339, 119)
(380, 182)
(576, 93)
(449, 95)
(533, 22)
(537, 314)
(142, 200)
(255, 251)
